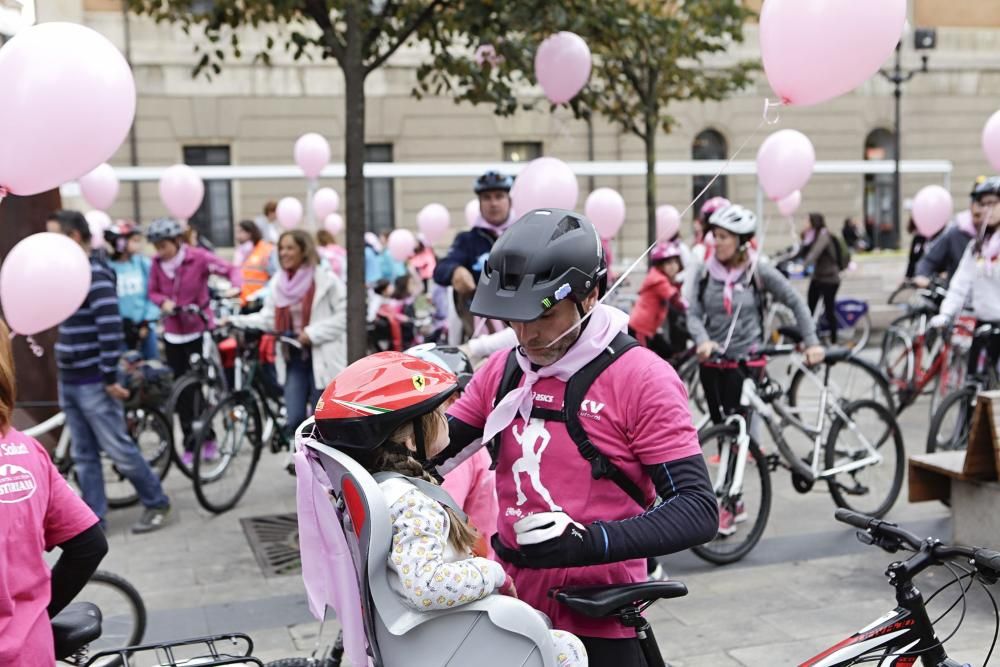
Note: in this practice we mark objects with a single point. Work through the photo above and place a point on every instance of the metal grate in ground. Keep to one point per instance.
(274, 540)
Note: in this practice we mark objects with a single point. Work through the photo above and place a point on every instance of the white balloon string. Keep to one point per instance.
(621, 279)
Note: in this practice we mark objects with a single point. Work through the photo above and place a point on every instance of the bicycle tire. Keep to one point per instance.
(208, 475)
(182, 384)
(304, 662)
(720, 556)
(897, 363)
(158, 457)
(950, 379)
(964, 400)
(834, 449)
(871, 378)
(116, 631)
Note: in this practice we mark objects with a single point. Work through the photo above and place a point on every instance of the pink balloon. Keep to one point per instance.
(289, 212)
(312, 153)
(991, 141)
(433, 221)
(546, 182)
(333, 223)
(606, 209)
(181, 191)
(35, 296)
(932, 208)
(815, 50)
(790, 204)
(562, 66)
(402, 244)
(68, 103)
(668, 222)
(472, 211)
(98, 221)
(100, 187)
(784, 163)
(325, 202)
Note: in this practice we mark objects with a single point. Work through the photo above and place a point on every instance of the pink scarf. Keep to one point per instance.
(170, 266)
(605, 323)
(290, 290)
(728, 277)
(243, 251)
(481, 223)
(964, 222)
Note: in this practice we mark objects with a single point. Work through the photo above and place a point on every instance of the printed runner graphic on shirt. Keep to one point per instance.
(530, 463)
(16, 483)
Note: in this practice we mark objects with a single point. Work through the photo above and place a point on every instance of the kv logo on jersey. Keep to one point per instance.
(591, 409)
(16, 483)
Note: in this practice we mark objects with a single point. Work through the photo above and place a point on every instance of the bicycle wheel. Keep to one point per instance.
(222, 476)
(851, 379)
(123, 612)
(206, 394)
(897, 362)
(749, 501)
(854, 336)
(154, 437)
(949, 428)
(869, 427)
(950, 379)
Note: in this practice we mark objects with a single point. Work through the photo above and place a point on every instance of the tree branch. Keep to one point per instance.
(634, 80)
(388, 12)
(405, 34)
(320, 13)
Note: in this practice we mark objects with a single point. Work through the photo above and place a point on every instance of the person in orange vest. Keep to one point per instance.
(255, 257)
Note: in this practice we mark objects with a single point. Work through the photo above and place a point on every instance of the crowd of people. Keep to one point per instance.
(555, 496)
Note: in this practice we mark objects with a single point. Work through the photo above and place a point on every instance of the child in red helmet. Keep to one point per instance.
(660, 292)
(388, 412)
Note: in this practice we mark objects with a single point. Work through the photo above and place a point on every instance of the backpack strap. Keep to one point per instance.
(758, 285)
(576, 389)
(432, 491)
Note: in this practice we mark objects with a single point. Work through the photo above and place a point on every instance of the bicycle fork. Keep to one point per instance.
(739, 461)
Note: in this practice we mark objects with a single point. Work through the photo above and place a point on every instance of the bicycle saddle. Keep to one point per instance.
(74, 627)
(602, 601)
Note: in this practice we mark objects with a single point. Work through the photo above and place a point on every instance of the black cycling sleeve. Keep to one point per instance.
(80, 557)
(464, 440)
(687, 516)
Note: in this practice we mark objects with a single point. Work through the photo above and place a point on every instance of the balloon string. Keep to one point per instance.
(768, 105)
(621, 279)
(36, 349)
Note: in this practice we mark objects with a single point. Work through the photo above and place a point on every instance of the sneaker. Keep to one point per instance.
(209, 451)
(740, 512)
(153, 518)
(658, 574)
(727, 522)
(187, 459)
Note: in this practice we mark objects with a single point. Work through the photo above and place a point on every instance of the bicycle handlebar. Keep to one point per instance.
(280, 336)
(888, 534)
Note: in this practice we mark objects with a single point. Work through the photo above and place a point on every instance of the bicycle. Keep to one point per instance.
(854, 324)
(235, 425)
(951, 422)
(147, 426)
(206, 377)
(861, 450)
(907, 633)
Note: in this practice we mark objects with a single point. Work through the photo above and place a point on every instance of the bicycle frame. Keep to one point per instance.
(57, 420)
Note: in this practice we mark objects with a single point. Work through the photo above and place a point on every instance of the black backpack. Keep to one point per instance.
(576, 389)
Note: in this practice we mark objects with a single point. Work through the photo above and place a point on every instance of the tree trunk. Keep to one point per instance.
(650, 140)
(354, 138)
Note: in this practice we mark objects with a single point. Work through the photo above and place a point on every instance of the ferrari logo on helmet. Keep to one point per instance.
(419, 382)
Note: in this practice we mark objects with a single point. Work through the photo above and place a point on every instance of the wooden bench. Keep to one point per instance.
(966, 479)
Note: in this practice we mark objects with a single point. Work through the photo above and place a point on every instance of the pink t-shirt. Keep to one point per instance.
(473, 486)
(38, 511)
(636, 413)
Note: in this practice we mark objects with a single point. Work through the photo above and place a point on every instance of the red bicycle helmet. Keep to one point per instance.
(374, 396)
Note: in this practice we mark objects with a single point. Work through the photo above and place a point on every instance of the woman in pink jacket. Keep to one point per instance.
(179, 278)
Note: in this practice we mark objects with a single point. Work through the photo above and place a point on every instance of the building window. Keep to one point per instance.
(709, 145)
(214, 219)
(380, 210)
(879, 223)
(521, 151)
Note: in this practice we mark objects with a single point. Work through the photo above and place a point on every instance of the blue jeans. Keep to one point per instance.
(300, 390)
(150, 348)
(97, 423)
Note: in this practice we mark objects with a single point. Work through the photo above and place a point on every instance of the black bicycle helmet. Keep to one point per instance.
(546, 256)
(163, 229)
(985, 186)
(118, 234)
(493, 180)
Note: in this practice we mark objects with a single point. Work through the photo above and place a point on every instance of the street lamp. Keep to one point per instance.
(924, 39)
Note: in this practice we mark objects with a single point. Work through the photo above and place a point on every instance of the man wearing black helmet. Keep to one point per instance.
(460, 269)
(586, 429)
(946, 253)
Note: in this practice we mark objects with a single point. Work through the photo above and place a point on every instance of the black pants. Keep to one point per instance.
(827, 292)
(991, 344)
(722, 387)
(613, 652)
(179, 360)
